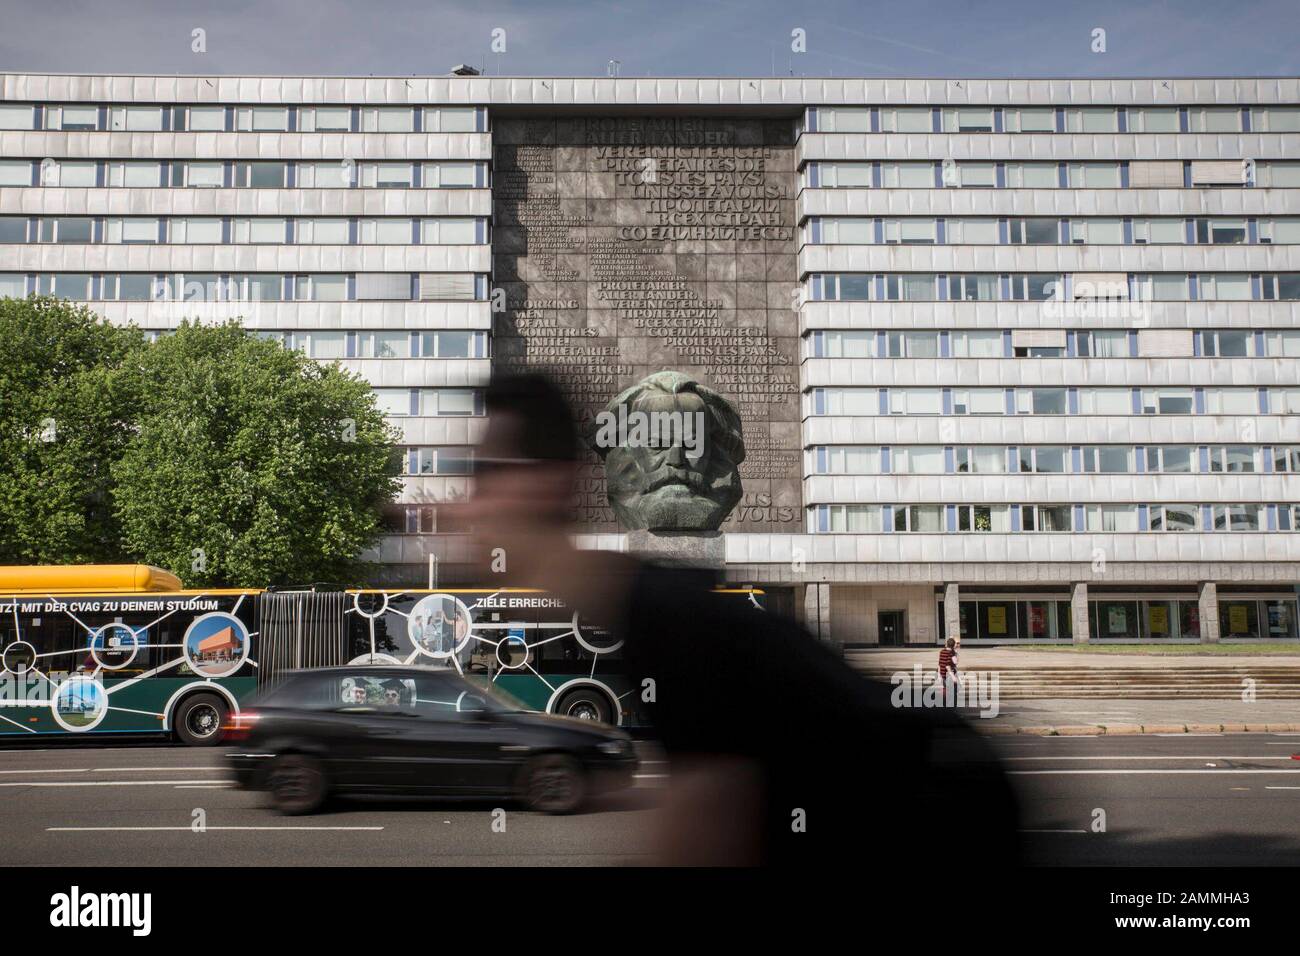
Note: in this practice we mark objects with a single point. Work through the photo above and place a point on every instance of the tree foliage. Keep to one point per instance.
(222, 457)
(63, 422)
(252, 464)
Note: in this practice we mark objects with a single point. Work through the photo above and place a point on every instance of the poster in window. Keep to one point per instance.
(1159, 619)
(1037, 620)
(1237, 622)
(1117, 619)
(997, 620)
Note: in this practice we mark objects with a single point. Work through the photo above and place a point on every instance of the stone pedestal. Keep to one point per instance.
(1079, 623)
(1208, 602)
(705, 550)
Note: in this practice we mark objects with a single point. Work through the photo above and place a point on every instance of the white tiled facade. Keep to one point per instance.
(1043, 320)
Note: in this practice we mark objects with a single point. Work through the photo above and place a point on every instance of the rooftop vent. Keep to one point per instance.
(462, 69)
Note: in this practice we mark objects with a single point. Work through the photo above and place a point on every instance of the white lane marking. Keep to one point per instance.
(205, 829)
(1186, 735)
(116, 770)
(649, 776)
(97, 783)
(204, 786)
(1282, 788)
(1152, 757)
(1026, 773)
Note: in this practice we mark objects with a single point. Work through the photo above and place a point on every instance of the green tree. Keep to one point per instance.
(63, 422)
(251, 464)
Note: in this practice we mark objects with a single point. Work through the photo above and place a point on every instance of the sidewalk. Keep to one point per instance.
(1091, 717)
(1103, 712)
(1001, 658)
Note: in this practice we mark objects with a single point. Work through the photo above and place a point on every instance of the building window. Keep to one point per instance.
(976, 344)
(846, 460)
(205, 119)
(991, 519)
(917, 460)
(325, 119)
(204, 175)
(262, 119)
(13, 229)
(1046, 518)
(1232, 458)
(980, 460)
(1041, 401)
(1171, 459)
(1026, 119)
(978, 401)
(1035, 232)
(1044, 459)
(260, 175)
(146, 119)
(1175, 517)
(326, 232)
(1244, 517)
(1167, 401)
(924, 519)
(453, 460)
(1111, 518)
(973, 288)
(1227, 343)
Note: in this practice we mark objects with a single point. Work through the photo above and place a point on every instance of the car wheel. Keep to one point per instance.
(199, 719)
(554, 783)
(586, 703)
(297, 784)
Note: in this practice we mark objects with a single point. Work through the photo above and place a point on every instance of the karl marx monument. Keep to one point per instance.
(672, 450)
(647, 265)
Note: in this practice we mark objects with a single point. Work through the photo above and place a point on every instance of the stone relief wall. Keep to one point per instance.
(629, 245)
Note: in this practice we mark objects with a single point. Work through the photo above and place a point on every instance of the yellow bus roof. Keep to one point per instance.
(130, 578)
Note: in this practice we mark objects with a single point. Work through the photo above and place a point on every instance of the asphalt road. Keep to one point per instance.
(1184, 799)
(1230, 799)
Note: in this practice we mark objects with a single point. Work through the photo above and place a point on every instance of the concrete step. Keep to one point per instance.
(1270, 682)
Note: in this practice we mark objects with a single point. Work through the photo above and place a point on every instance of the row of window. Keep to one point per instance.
(256, 287)
(217, 230)
(429, 402)
(1053, 343)
(423, 519)
(1052, 119)
(1127, 618)
(256, 119)
(1048, 174)
(395, 344)
(1050, 518)
(1046, 286)
(1050, 231)
(1052, 459)
(1051, 400)
(244, 174)
(439, 460)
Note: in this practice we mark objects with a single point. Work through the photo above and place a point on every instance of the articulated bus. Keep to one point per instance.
(125, 649)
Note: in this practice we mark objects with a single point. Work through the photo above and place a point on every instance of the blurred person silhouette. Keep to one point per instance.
(779, 752)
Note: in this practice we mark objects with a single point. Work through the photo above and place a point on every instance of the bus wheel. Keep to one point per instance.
(297, 784)
(554, 783)
(199, 718)
(586, 703)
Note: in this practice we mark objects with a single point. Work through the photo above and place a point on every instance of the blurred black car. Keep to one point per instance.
(417, 731)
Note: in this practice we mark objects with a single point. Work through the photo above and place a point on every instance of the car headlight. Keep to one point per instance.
(614, 748)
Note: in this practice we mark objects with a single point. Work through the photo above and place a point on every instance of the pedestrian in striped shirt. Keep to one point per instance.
(947, 662)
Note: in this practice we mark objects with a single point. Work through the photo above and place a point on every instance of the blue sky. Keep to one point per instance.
(656, 37)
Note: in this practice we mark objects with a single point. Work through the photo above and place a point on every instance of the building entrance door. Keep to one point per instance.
(890, 627)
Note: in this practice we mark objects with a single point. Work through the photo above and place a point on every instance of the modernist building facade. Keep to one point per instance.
(1016, 359)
